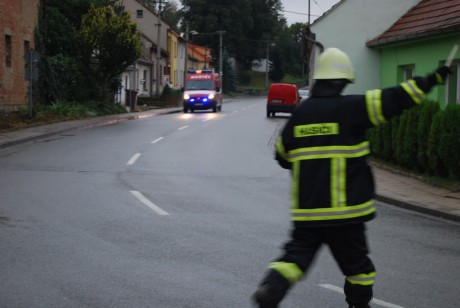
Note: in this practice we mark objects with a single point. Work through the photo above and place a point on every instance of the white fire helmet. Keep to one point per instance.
(334, 64)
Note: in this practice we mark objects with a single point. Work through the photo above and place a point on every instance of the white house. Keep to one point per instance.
(349, 24)
(146, 77)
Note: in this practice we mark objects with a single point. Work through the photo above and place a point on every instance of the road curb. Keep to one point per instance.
(96, 123)
(418, 208)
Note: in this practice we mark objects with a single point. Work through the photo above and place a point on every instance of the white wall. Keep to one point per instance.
(148, 23)
(180, 62)
(350, 25)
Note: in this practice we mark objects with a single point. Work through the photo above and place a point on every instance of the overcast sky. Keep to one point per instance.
(297, 10)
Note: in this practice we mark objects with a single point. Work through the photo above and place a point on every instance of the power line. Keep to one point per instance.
(305, 14)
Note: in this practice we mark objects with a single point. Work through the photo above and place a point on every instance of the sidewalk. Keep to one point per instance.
(393, 188)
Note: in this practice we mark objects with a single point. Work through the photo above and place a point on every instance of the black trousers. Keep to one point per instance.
(348, 246)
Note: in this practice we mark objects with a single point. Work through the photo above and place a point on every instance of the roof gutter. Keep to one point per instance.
(405, 37)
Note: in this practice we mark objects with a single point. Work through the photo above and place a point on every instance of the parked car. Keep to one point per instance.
(282, 97)
(304, 94)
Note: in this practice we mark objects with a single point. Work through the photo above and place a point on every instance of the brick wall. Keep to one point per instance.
(18, 19)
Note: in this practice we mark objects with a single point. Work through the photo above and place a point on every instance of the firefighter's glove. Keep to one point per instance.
(439, 76)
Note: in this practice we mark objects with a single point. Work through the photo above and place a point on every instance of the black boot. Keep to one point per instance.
(359, 306)
(264, 298)
(272, 290)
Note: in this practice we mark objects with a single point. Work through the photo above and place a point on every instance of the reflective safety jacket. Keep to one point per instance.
(324, 144)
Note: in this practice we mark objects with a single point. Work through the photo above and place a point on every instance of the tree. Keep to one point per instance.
(57, 42)
(82, 55)
(110, 40)
(248, 25)
(60, 19)
(109, 44)
(276, 72)
(169, 11)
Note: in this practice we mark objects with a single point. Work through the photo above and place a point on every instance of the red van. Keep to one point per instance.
(282, 97)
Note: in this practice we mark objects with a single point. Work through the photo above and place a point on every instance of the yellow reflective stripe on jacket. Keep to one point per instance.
(333, 213)
(362, 279)
(290, 271)
(374, 107)
(338, 182)
(342, 151)
(295, 184)
(417, 95)
(279, 147)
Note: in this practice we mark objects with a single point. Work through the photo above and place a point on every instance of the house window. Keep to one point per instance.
(453, 85)
(26, 47)
(8, 50)
(405, 72)
(140, 13)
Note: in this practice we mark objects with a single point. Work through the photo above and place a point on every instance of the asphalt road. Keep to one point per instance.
(185, 210)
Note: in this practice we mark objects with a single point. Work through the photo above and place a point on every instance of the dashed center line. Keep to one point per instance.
(183, 127)
(374, 300)
(139, 196)
(133, 159)
(157, 140)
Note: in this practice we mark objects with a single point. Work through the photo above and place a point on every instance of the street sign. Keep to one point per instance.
(31, 60)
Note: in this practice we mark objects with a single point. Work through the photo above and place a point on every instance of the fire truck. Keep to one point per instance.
(202, 91)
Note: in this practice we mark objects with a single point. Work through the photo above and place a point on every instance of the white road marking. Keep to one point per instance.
(183, 127)
(139, 196)
(158, 139)
(374, 300)
(133, 159)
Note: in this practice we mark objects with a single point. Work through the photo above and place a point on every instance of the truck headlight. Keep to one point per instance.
(186, 96)
(211, 96)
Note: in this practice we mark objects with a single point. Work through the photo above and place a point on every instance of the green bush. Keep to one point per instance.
(409, 142)
(427, 112)
(399, 138)
(393, 140)
(449, 140)
(245, 77)
(373, 135)
(423, 138)
(61, 77)
(437, 166)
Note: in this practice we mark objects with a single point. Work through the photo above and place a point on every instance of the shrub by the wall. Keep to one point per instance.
(399, 139)
(427, 112)
(409, 142)
(449, 140)
(437, 166)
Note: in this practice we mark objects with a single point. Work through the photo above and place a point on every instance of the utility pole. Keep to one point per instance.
(158, 67)
(186, 52)
(221, 71)
(267, 61)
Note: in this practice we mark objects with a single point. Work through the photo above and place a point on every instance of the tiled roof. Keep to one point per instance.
(199, 53)
(429, 17)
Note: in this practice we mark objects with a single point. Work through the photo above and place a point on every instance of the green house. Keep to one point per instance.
(419, 42)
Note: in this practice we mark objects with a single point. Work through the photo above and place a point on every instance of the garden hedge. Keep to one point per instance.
(424, 139)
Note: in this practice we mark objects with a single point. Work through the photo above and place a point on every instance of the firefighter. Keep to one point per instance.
(324, 145)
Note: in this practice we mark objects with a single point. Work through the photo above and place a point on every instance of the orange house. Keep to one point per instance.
(199, 57)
